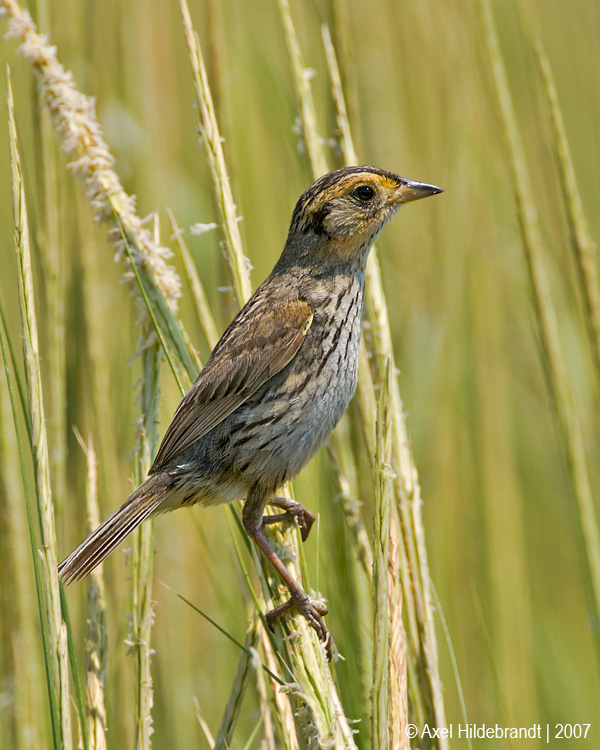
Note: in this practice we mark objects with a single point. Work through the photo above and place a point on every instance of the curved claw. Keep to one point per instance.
(293, 510)
(305, 520)
(312, 611)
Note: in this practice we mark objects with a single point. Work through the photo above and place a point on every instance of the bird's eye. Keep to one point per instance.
(364, 192)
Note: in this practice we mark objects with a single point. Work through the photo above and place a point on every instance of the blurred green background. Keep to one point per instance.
(501, 534)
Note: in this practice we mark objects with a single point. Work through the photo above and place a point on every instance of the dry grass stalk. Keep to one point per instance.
(238, 263)
(211, 138)
(28, 708)
(96, 638)
(265, 697)
(55, 283)
(204, 724)
(306, 662)
(381, 714)
(238, 690)
(57, 632)
(415, 574)
(302, 77)
(143, 553)
(74, 118)
(469, 354)
(277, 702)
(397, 664)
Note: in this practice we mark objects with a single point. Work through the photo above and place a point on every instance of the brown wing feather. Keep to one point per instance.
(259, 343)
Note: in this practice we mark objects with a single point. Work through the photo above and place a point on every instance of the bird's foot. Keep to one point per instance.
(293, 510)
(312, 611)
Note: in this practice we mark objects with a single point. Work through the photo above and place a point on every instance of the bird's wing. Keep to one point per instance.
(259, 343)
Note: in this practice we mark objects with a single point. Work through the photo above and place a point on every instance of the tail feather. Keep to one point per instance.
(142, 504)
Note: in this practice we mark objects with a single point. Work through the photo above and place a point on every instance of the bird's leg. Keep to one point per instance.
(293, 509)
(253, 522)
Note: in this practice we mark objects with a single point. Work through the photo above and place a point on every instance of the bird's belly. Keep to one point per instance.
(272, 435)
(281, 426)
(267, 440)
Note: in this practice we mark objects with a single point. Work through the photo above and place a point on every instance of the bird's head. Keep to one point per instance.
(350, 206)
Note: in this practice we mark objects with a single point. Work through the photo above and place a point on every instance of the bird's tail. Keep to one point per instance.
(142, 504)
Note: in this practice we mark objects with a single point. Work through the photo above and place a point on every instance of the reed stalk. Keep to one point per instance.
(57, 664)
(96, 643)
(320, 707)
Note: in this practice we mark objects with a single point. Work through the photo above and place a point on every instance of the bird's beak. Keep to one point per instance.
(412, 191)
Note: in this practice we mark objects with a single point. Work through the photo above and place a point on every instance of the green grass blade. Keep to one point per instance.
(57, 632)
(75, 120)
(568, 420)
(201, 305)
(74, 672)
(583, 246)
(461, 696)
(153, 317)
(17, 376)
(241, 646)
(238, 689)
(39, 585)
(213, 149)
(417, 602)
